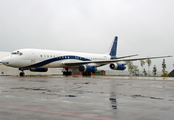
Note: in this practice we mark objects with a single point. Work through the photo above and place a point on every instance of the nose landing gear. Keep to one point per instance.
(21, 74)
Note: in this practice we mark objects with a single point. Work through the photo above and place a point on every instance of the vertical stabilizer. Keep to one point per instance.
(113, 48)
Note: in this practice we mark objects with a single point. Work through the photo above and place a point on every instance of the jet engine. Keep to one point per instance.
(117, 66)
(87, 68)
(39, 69)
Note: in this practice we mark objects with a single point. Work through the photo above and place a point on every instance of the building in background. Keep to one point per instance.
(171, 74)
(100, 72)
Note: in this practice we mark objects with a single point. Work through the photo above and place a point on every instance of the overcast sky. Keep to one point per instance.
(144, 27)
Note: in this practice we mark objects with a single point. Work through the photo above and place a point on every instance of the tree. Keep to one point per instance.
(135, 69)
(144, 72)
(165, 73)
(132, 68)
(142, 63)
(154, 70)
(149, 63)
(164, 65)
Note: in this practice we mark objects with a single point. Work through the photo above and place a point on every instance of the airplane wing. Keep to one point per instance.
(125, 56)
(104, 62)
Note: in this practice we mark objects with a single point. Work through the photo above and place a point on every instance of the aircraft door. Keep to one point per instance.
(33, 57)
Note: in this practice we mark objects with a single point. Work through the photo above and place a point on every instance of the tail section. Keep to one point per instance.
(113, 48)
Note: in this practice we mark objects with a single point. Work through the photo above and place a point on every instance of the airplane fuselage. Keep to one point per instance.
(40, 58)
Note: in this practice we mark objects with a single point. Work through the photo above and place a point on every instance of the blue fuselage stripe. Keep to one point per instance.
(45, 62)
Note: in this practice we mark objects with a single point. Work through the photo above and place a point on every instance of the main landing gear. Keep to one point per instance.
(67, 73)
(86, 73)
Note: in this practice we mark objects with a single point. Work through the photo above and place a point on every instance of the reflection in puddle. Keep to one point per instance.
(113, 102)
(45, 90)
(70, 95)
(113, 97)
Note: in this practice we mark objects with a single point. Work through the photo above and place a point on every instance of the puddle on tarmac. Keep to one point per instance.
(136, 96)
(37, 89)
(24, 80)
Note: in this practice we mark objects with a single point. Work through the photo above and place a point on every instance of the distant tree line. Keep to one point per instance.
(133, 69)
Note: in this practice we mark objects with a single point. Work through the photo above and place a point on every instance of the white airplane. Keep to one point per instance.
(39, 60)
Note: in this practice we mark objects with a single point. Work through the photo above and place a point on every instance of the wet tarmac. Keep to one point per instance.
(78, 98)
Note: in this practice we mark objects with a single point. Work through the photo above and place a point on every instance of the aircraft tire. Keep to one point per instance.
(84, 74)
(69, 73)
(88, 73)
(21, 74)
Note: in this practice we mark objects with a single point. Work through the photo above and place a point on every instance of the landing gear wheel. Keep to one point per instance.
(86, 73)
(67, 73)
(21, 74)
(89, 74)
(83, 74)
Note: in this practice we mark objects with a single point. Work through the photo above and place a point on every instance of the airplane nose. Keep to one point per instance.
(5, 61)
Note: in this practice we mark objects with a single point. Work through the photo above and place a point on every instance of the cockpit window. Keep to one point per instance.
(14, 53)
(17, 53)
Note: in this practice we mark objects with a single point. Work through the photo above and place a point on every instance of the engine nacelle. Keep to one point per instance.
(39, 69)
(87, 68)
(117, 66)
